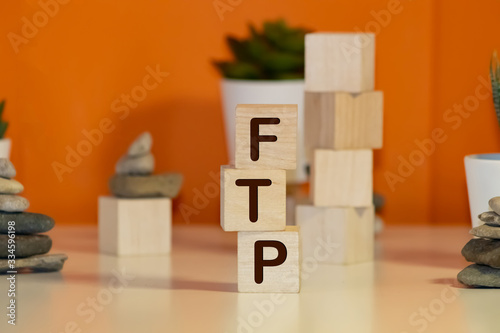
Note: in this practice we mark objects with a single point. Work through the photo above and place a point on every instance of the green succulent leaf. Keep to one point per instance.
(3, 128)
(276, 52)
(283, 62)
(239, 70)
(3, 125)
(289, 76)
(257, 49)
(239, 48)
(495, 83)
(253, 31)
(275, 30)
(293, 42)
(2, 105)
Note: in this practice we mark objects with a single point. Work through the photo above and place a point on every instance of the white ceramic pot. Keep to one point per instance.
(483, 182)
(5, 148)
(265, 92)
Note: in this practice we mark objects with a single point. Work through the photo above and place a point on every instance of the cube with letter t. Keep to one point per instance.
(253, 199)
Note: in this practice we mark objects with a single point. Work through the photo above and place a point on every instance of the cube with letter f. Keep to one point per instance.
(266, 136)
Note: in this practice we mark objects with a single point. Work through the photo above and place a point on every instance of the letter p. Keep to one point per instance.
(260, 263)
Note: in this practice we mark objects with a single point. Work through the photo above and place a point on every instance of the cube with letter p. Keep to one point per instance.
(269, 261)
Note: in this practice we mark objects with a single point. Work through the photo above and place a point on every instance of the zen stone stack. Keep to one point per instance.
(484, 251)
(134, 178)
(137, 218)
(22, 245)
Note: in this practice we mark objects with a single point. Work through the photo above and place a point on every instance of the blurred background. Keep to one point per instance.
(65, 77)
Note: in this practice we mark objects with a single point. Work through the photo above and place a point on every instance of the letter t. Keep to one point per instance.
(253, 189)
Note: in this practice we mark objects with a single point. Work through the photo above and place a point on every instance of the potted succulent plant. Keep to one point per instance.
(4, 142)
(268, 68)
(482, 170)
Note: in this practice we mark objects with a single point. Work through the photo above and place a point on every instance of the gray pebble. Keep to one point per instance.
(141, 145)
(483, 251)
(490, 218)
(139, 165)
(495, 204)
(480, 276)
(26, 223)
(7, 169)
(162, 185)
(25, 245)
(10, 186)
(13, 203)
(486, 231)
(36, 264)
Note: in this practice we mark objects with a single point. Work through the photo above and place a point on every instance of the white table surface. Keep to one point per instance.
(411, 287)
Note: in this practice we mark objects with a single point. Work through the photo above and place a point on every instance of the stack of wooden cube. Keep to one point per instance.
(343, 123)
(253, 198)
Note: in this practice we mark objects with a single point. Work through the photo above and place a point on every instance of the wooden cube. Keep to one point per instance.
(135, 226)
(266, 136)
(269, 261)
(340, 62)
(242, 209)
(342, 178)
(336, 235)
(340, 120)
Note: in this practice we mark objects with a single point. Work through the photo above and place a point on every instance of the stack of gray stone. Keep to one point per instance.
(484, 251)
(134, 174)
(21, 239)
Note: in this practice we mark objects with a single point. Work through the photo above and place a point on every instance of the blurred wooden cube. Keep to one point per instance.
(340, 62)
(273, 128)
(340, 120)
(336, 235)
(342, 178)
(135, 226)
(269, 261)
(236, 196)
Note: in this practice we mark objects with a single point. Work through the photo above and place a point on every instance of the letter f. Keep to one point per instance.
(255, 138)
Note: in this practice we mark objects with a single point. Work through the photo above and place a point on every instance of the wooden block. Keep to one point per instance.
(340, 62)
(336, 235)
(269, 261)
(342, 178)
(135, 226)
(242, 209)
(340, 120)
(266, 136)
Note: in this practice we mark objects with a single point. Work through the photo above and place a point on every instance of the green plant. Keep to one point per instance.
(3, 124)
(495, 82)
(276, 52)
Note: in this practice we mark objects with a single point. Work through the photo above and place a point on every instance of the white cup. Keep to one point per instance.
(483, 182)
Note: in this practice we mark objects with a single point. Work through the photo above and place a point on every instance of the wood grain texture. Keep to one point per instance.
(284, 278)
(235, 200)
(340, 62)
(135, 226)
(336, 235)
(342, 178)
(281, 154)
(340, 120)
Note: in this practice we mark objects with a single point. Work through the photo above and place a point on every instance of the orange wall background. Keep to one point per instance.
(66, 76)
